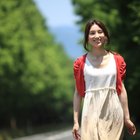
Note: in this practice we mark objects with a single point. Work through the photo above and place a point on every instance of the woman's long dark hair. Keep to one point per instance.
(87, 29)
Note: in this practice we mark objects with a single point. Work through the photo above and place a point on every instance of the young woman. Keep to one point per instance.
(99, 76)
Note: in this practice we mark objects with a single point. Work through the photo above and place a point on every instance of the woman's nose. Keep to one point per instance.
(97, 35)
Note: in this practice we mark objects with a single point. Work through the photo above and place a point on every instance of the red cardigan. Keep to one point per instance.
(79, 74)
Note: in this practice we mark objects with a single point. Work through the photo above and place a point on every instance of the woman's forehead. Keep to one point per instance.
(95, 27)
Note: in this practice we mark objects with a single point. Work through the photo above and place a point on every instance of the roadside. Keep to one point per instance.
(57, 135)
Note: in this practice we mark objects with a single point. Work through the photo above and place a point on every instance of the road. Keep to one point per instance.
(65, 135)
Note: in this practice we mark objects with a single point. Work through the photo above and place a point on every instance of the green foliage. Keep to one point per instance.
(135, 16)
(35, 72)
(122, 20)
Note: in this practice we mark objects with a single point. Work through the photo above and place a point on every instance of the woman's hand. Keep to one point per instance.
(130, 127)
(75, 130)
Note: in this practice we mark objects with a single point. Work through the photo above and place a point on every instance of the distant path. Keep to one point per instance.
(65, 135)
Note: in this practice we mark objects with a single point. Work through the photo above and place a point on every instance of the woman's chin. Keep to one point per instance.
(99, 45)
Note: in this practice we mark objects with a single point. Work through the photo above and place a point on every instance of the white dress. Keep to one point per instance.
(102, 115)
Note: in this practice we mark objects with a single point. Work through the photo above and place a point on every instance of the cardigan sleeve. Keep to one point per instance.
(76, 67)
(78, 75)
(121, 71)
(122, 68)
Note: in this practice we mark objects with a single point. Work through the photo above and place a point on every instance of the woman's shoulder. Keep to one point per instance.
(81, 58)
(117, 55)
(79, 61)
(119, 59)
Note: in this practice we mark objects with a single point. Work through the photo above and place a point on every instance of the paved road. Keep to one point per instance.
(65, 135)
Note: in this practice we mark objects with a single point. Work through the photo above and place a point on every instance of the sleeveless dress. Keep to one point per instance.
(102, 115)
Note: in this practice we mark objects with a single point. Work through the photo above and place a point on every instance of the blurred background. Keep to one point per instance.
(39, 41)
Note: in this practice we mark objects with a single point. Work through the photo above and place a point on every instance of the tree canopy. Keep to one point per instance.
(36, 74)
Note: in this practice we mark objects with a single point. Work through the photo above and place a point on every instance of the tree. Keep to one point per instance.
(33, 71)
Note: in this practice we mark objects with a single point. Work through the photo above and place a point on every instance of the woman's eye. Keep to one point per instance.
(92, 33)
(100, 31)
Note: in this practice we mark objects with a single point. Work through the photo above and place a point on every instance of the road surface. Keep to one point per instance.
(65, 135)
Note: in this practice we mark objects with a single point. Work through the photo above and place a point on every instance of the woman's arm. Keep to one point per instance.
(124, 102)
(76, 110)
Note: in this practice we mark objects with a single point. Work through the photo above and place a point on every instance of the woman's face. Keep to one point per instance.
(96, 36)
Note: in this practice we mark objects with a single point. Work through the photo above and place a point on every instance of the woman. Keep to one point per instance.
(99, 78)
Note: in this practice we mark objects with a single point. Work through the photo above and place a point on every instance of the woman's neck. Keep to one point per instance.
(98, 52)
